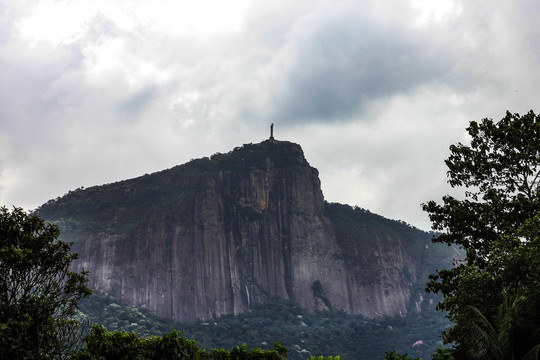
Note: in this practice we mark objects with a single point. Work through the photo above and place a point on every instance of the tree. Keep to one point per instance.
(442, 354)
(102, 344)
(500, 173)
(38, 291)
(393, 355)
(511, 334)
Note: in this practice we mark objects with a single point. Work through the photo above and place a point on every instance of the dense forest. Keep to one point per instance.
(303, 333)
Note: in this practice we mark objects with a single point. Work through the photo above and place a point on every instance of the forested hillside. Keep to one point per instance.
(302, 333)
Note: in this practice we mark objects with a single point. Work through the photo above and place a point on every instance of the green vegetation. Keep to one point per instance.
(104, 345)
(492, 296)
(39, 293)
(102, 310)
(512, 333)
(393, 355)
(304, 334)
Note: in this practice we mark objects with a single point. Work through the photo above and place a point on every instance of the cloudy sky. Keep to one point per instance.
(374, 91)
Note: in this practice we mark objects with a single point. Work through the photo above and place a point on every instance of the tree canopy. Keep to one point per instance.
(102, 344)
(496, 224)
(39, 293)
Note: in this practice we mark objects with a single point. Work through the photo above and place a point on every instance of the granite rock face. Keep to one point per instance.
(218, 235)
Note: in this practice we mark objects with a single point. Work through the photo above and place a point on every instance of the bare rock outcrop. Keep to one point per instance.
(218, 235)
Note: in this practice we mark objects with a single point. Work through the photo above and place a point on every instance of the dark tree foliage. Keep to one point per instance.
(500, 173)
(511, 333)
(38, 291)
(102, 344)
(393, 355)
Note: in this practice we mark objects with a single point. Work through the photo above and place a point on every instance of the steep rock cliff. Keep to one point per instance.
(217, 235)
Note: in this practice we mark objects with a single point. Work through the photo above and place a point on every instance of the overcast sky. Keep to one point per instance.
(374, 91)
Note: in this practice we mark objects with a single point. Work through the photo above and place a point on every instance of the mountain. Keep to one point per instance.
(220, 235)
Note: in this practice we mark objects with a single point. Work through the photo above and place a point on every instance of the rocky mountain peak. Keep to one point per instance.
(221, 234)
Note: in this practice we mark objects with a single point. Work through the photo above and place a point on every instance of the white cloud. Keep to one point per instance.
(375, 92)
(428, 11)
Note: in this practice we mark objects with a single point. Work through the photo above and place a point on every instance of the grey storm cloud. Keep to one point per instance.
(340, 64)
(374, 91)
(31, 91)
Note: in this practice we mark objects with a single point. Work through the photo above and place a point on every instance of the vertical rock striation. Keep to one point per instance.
(218, 235)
